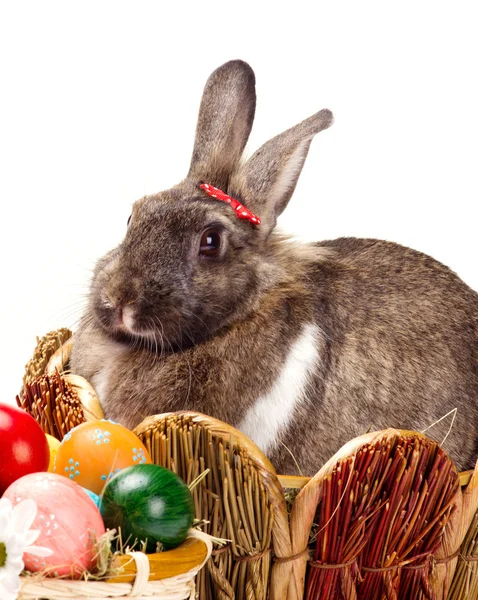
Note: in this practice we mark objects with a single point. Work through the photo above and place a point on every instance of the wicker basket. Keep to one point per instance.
(136, 578)
(276, 565)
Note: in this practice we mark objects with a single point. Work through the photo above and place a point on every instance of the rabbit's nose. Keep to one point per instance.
(123, 311)
(124, 317)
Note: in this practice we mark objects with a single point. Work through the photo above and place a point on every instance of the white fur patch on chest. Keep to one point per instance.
(273, 412)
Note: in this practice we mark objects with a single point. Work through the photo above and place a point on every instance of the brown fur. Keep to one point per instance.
(398, 331)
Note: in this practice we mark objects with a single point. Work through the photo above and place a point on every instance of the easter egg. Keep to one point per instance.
(151, 504)
(94, 497)
(53, 445)
(93, 452)
(23, 445)
(68, 521)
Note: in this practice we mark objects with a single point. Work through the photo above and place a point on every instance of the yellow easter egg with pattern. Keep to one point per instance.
(53, 445)
(92, 453)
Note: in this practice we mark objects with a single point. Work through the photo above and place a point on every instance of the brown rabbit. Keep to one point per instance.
(302, 347)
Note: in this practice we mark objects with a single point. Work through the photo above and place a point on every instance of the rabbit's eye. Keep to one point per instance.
(210, 245)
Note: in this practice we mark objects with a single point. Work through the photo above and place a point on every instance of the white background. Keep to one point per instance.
(98, 106)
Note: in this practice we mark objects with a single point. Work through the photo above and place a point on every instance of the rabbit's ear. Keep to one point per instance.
(224, 123)
(267, 180)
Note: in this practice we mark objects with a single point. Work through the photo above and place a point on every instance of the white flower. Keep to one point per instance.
(16, 537)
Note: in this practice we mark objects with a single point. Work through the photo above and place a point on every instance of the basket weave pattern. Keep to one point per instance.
(240, 498)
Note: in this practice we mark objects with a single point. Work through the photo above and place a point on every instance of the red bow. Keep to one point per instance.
(241, 211)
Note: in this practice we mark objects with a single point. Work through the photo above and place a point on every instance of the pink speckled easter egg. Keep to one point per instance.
(68, 521)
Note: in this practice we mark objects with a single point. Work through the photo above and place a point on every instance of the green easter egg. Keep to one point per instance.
(149, 503)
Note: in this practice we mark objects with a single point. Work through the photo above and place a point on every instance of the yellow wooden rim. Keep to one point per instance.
(162, 565)
(297, 482)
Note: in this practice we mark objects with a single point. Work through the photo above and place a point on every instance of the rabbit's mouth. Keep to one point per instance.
(149, 340)
(129, 326)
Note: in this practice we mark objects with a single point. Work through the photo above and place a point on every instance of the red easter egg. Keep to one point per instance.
(23, 446)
